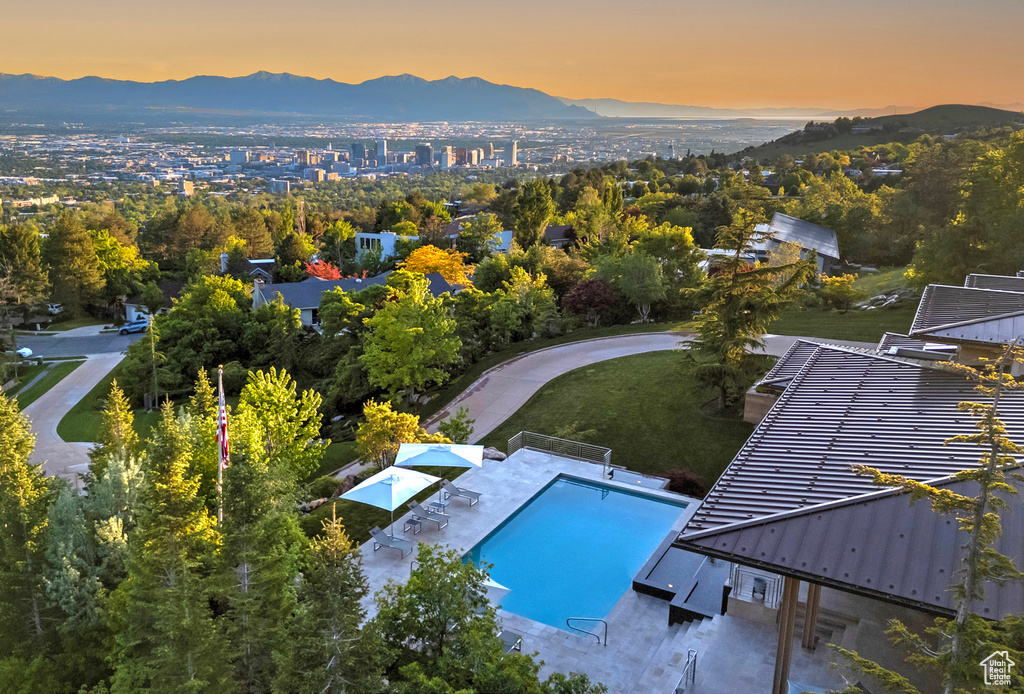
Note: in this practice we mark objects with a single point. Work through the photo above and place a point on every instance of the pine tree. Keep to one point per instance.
(739, 302)
(117, 431)
(167, 638)
(328, 653)
(74, 267)
(968, 638)
(21, 261)
(262, 551)
(25, 497)
(203, 402)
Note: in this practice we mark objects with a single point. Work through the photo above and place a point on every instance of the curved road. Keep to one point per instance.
(492, 399)
(502, 390)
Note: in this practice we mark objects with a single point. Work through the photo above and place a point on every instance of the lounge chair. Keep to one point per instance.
(382, 539)
(513, 642)
(422, 514)
(451, 490)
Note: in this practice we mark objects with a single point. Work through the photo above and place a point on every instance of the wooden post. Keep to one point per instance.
(787, 625)
(811, 614)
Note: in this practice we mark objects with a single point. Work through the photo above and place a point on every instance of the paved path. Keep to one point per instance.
(60, 457)
(502, 390)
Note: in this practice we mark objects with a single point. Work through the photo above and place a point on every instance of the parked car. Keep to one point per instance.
(54, 309)
(138, 325)
(23, 352)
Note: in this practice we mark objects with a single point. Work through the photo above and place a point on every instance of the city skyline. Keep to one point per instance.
(793, 53)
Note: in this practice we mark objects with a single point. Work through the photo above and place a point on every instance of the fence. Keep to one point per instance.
(563, 447)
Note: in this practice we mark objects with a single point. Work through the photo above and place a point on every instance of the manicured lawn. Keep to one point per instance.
(885, 281)
(75, 323)
(450, 391)
(82, 422)
(25, 374)
(337, 455)
(865, 326)
(644, 407)
(52, 378)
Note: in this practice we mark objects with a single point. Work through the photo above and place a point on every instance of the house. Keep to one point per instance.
(134, 310)
(810, 238)
(256, 268)
(977, 322)
(306, 295)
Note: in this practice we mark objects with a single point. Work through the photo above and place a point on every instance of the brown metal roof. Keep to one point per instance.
(890, 340)
(846, 407)
(1004, 282)
(876, 544)
(943, 305)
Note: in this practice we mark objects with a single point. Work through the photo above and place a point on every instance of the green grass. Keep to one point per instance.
(644, 407)
(75, 323)
(25, 374)
(863, 326)
(885, 281)
(452, 390)
(55, 375)
(337, 455)
(82, 422)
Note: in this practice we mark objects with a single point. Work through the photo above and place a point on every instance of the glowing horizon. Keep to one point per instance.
(735, 54)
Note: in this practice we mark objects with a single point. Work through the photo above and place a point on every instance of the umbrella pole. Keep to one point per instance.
(392, 526)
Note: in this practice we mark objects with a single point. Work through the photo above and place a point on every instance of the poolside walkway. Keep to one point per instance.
(644, 655)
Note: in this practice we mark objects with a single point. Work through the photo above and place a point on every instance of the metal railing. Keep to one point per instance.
(563, 447)
(602, 640)
(741, 576)
(689, 672)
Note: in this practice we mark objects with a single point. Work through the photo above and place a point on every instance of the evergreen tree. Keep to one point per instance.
(20, 260)
(74, 268)
(739, 302)
(262, 550)
(533, 210)
(117, 431)
(25, 497)
(968, 638)
(166, 636)
(328, 653)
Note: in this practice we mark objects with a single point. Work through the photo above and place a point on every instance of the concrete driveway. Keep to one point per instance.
(60, 457)
(502, 390)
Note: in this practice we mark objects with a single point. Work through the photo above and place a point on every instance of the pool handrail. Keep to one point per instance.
(603, 642)
(689, 672)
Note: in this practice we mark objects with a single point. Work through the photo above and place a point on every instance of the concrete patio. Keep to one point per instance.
(643, 655)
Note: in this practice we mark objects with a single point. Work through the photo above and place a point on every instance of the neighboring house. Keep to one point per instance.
(305, 295)
(257, 268)
(810, 237)
(559, 236)
(134, 310)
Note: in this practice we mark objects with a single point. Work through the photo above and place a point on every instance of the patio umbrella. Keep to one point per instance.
(439, 455)
(495, 591)
(389, 489)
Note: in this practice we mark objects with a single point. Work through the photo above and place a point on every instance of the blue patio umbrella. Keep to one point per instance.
(389, 489)
(439, 455)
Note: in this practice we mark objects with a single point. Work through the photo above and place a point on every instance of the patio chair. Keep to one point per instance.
(513, 642)
(422, 514)
(382, 539)
(451, 490)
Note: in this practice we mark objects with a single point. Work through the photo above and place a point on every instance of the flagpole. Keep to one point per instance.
(221, 435)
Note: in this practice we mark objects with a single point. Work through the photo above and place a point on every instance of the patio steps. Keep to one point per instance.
(665, 666)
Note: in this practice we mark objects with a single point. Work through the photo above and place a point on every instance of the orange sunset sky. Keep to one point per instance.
(723, 53)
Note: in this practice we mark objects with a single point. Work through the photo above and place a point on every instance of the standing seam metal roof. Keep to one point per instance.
(790, 363)
(877, 544)
(808, 235)
(943, 305)
(843, 408)
(1005, 282)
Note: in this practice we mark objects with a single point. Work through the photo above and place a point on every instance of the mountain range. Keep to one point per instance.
(402, 98)
(405, 98)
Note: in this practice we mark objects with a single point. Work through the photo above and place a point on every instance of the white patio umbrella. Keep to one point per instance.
(495, 591)
(439, 455)
(389, 489)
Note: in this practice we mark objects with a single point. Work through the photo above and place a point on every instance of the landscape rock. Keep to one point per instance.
(492, 453)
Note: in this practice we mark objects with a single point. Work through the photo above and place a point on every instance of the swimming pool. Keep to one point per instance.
(573, 549)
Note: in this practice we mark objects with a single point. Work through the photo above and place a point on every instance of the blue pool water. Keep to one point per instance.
(572, 551)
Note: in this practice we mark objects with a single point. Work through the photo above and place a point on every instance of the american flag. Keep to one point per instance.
(222, 423)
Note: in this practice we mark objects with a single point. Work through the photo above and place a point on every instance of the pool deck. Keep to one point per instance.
(644, 655)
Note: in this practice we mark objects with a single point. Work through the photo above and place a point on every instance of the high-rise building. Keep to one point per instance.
(447, 159)
(473, 157)
(424, 155)
(239, 156)
(277, 186)
(358, 151)
(382, 151)
(461, 158)
(511, 154)
(488, 151)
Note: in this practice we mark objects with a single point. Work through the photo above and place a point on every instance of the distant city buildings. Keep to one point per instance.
(512, 153)
(424, 155)
(278, 186)
(382, 151)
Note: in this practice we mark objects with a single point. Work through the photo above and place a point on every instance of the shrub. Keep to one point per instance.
(323, 487)
(685, 482)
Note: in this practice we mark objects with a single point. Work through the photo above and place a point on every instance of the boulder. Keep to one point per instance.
(492, 453)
